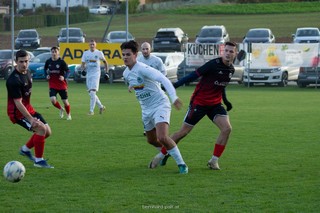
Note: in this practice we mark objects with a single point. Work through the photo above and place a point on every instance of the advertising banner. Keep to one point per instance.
(198, 54)
(72, 52)
(277, 55)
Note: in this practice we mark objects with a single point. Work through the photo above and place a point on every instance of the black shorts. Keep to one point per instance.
(195, 113)
(63, 93)
(26, 124)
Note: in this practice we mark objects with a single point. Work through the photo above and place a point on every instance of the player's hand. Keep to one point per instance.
(48, 77)
(35, 123)
(61, 78)
(130, 89)
(178, 104)
(228, 105)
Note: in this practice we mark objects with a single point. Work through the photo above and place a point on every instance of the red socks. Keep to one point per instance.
(38, 141)
(30, 143)
(67, 108)
(164, 150)
(57, 105)
(218, 150)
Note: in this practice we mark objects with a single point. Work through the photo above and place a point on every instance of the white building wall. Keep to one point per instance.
(28, 4)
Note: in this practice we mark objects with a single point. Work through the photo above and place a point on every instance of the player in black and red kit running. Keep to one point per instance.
(57, 74)
(20, 110)
(206, 100)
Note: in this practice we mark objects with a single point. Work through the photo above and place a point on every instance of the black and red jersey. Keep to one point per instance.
(19, 86)
(55, 69)
(215, 76)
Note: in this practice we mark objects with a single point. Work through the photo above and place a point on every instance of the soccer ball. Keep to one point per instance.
(14, 171)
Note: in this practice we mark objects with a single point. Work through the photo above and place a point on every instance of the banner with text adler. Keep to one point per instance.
(277, 55)
(198, 54)
(72, 52)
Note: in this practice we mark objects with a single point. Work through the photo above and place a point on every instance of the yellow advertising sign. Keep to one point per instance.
(72, 53)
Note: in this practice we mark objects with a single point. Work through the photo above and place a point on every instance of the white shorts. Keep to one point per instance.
(160, 114)
(93, 82)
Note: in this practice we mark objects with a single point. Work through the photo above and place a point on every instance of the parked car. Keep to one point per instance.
(306, 35)
(270, 75)
(79, 77)
(169, 39)
(36, 66)
(118, 37)
(309, 75)
(27, 39)
(184, 69)
(171, 61)
(258, 35)
(76, 35)
(116, 72)
(216, 34)
(6, 63)
(40, 50)
(99, 10)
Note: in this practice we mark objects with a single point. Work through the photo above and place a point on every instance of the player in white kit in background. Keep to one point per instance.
(91, 62)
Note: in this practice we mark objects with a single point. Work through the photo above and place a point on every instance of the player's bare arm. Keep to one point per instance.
(178, 104)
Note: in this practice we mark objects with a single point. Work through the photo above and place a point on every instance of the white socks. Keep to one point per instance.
(175, 153)
(94, 99)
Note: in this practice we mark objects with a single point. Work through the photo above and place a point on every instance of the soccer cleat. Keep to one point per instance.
(90, 113)
(156, 161)
(163, 162)
(43, 164)
(27, 154)
(61, 113)
(102, 109)
(69, 117)
(183, 169)
(213, 164)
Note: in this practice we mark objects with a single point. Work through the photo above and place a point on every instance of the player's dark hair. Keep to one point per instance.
(132, 45)
(21, 53)
(55, 48)
(231, 43)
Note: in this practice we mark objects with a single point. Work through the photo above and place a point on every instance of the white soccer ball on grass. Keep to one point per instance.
(14, 171)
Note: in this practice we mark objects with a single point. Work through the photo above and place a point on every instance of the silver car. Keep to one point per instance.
(306, 35)
(171, 61)
(216, 34)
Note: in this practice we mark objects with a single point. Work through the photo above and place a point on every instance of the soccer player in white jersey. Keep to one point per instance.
(152, 61)
(91, 62)
(155, 105)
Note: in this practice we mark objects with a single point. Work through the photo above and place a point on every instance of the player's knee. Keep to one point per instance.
(163, 139)
(226, 130)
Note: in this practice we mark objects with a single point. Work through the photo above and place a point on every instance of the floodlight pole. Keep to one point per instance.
(127, 19)
(67, 20)
(12, 31)
(317, 65)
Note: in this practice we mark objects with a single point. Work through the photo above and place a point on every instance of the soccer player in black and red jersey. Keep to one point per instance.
(206, 101)
(20, 110)
(57, 74)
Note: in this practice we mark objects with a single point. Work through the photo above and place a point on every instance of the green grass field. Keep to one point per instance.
(270, 164)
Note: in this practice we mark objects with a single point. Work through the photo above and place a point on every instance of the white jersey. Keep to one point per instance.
(92, 60)
(153, 61)
(144, 80)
